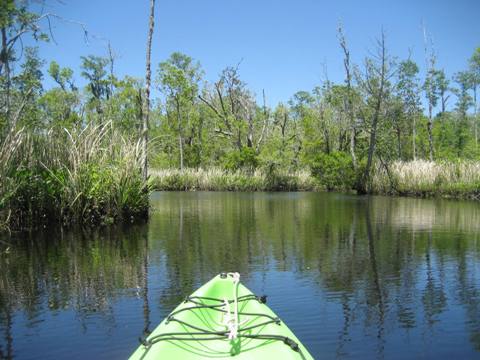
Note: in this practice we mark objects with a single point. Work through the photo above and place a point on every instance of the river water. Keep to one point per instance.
(353, 277)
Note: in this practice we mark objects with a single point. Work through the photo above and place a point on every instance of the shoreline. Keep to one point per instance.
(405, 183)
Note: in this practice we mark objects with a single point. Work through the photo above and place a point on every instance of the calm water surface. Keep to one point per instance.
(353, 277)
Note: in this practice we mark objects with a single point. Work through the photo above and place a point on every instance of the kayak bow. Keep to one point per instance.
(220, 320)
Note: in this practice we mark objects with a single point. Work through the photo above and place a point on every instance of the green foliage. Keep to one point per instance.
(245, 159)
(334, 171)
(178, 79)
(93, 70)
(91, 174)
(464, 99)
(84, 177)
(62, 76)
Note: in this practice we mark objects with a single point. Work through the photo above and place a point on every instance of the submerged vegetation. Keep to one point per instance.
(78, 154)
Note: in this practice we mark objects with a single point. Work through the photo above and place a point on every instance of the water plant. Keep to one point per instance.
(216, 179)
(85, 176)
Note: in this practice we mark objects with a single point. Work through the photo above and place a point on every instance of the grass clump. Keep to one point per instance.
(216, 179)
(90, 176)
(459, 179)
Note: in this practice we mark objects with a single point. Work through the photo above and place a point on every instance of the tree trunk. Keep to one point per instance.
(148, 77)
(475, 127)
(414, 137)
(429, 129)
(352, 147)
(373, 143)
(6, 64)
(399, 143)
(180, 132)
(350, 110)
(376, 116)
(444, 101)
(180, 144)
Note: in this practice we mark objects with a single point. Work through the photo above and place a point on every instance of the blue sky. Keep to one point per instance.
(284, 44)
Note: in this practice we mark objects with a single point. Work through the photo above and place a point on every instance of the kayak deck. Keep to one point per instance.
(196, 329)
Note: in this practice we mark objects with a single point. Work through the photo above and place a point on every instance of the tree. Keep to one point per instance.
(235, 110)
(464, 100)
(60, 104)
(350, 103)
(124, 107)
(431, 91)
(408, 91)
(399, 121)
(430, 85)
(378, 71)
(93, 69)
(474, 70)
(148, 76)
(304, 131)
(178, 78)
(443, 85)
(15, 22)
(28, 89)
(62, 76)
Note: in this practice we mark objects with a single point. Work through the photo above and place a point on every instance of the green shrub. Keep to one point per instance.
(245, 159)
(334, 171)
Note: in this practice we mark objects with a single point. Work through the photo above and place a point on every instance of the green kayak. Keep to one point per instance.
(221, 320)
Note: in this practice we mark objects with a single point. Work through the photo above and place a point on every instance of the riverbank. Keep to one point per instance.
(402, 178)
(420, 178)
(88, 177)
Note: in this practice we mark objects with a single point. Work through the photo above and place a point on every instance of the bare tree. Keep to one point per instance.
(375, 81)
(348, 79)
(431, 88)
(235, 107)
(148, 77)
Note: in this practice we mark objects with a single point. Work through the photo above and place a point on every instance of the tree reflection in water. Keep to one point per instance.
(354, 277)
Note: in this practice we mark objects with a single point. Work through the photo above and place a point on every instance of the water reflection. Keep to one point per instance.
(354, 277)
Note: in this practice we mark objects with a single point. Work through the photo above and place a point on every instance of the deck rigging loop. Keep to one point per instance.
(231, 318)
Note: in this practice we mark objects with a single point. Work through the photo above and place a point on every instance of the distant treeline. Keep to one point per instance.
(341, 132)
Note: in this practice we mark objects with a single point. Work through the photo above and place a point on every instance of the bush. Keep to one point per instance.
(89, 177)
(245, 159)
(334, 171)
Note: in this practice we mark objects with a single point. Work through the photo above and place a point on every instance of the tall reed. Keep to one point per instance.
(88, 176)
(428, 178)
(215, 179)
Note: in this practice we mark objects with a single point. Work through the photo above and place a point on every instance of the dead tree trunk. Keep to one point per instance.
(148, 76)
(429, 130)
(379, 95)
(180, 132)
(350, 110)
(414, 137)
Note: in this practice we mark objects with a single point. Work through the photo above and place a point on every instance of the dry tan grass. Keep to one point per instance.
(216, 179)
(423, 177)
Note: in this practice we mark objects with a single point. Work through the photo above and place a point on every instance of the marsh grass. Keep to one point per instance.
(90, 176)
(459, 179)
(415, 178)
(216, 179)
